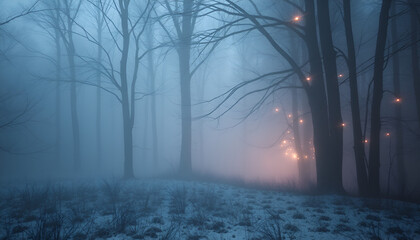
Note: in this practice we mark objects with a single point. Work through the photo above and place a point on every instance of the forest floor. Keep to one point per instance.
(164, 209)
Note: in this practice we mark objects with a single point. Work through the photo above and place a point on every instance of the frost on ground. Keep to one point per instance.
(163, 209)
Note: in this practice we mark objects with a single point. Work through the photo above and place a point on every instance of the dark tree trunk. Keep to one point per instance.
(328, 174)
(358, 141)
(333, 93)
(317, 97)
(184, 53)
(327, 180)
(375, 123)
(415, 67)
(127, 122)
(398, 107)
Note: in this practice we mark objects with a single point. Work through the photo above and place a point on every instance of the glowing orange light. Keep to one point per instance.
(306, 157)
(295, 156)
(343, 124)
(366, 141)
(296, 19)
(290, 115)
(288, 131)
(398, 100)
(301, 120)
(276, 109)
(284, 141)
(340, 75)
(308, 79)
(387, 134)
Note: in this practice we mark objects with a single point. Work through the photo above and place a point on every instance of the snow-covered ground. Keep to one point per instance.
(163, 209)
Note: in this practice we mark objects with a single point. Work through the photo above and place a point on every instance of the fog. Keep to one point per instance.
(244, 133)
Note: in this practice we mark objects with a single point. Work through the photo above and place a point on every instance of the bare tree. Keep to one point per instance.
(325, 131)
(69, 10)
(125, 36)
(99, 15)
(358, 140)
(415, 66)
(375, 123)
(184, 16)
(399, 148)
(50, 22)
(333, 92)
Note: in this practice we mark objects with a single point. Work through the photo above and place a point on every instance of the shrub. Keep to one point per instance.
(178, 200)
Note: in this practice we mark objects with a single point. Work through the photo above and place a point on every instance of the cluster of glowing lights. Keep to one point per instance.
(287, 146)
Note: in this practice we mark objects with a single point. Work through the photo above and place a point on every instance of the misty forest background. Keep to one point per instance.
(311, 94)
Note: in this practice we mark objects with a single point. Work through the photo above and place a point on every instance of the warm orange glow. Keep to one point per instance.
(276, 109)
(340, 75)
(284, 141)
(387, 134)
(366, 141)
(301, 121)
(295, 156)
(308, 79)
(306, 156)
(290, 115)
(343, 124)
(296, 19)
(398, 100)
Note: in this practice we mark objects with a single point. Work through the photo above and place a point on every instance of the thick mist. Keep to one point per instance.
(118, 71)
(209, 119)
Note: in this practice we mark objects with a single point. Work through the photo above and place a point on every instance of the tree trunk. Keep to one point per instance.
(358, 141)
(184, 53)
(398, 107)
(128, 137)
(127, 122)
(415, 67)
(375, 123)
(327, 180)
(333, 93)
